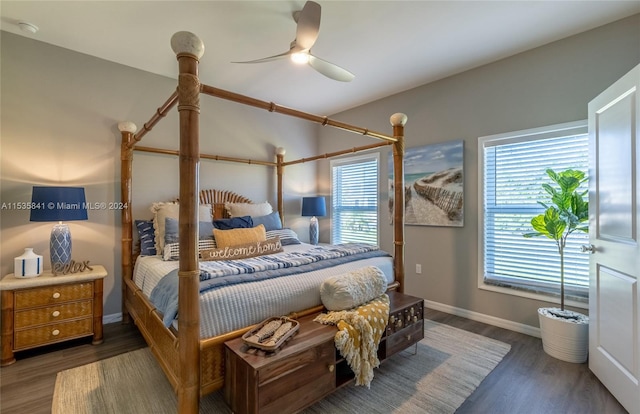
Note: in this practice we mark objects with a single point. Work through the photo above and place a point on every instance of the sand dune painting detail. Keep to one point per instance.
(433, 179)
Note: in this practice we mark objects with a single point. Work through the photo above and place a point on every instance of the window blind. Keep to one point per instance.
(354, 201)
(513, 171)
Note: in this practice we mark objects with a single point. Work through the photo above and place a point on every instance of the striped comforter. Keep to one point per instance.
(215, 274)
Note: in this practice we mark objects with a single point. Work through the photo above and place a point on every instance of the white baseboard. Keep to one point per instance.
(480, 317)
(113, 318)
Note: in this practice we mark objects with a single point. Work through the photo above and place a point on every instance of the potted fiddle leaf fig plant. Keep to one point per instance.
(565, 333)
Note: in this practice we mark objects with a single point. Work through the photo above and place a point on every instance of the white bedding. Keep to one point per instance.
(234, 307)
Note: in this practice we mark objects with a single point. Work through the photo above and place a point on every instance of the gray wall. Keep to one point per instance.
(60, 111)
(58, 127)
(545, 86)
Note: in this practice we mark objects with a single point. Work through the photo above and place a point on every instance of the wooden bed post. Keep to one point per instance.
(280, 169)
(189, 49)
(398, 121)
(127, 129)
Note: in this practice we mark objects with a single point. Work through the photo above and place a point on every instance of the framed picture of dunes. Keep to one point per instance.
(433, 179)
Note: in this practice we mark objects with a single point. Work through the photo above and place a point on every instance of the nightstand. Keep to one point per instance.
(49, 309)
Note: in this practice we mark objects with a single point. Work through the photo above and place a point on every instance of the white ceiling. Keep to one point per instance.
(390, 46)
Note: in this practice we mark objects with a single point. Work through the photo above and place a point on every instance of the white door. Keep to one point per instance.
(614, 227)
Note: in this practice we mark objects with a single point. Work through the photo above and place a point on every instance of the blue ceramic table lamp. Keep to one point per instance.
(313, 207)
(58, 204)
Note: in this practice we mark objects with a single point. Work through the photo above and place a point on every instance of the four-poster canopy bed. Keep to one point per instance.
(195, 364)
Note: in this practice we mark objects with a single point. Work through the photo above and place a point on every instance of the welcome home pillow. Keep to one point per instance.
(243, 251)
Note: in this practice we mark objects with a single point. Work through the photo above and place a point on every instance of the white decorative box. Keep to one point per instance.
(28, 264)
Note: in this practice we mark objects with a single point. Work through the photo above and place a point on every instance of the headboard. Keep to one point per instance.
(217, 199)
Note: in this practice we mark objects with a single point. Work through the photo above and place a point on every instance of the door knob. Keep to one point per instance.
(588, 248)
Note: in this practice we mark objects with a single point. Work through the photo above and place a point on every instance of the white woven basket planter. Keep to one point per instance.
(564, 339)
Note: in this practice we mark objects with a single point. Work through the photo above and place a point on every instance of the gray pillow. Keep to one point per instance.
(270, 221)
(205, 230)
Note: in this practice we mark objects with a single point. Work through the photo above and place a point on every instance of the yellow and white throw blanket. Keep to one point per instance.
(359, 332)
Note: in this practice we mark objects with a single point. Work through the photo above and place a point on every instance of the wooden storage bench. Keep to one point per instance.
(308, 367)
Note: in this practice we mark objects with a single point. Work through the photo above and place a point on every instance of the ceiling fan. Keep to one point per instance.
(308, 21)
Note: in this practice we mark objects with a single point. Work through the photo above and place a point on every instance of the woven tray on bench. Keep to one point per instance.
(267, 343)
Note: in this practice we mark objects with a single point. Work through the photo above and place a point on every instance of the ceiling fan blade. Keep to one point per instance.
(268, 59)
(330, 70)
(308, 25)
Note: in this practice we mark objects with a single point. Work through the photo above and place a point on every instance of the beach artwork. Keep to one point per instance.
(433, 179)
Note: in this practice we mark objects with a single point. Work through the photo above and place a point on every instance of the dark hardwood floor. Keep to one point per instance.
(527, 381)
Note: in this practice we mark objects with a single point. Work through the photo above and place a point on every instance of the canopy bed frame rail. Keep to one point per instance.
(194, 366)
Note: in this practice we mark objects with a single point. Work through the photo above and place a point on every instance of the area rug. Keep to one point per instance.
(447, 367)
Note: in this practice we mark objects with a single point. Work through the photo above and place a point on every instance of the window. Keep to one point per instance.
(354, 201)
(512, 169)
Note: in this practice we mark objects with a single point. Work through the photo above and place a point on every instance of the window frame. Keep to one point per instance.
(374, 156)
(546, 132)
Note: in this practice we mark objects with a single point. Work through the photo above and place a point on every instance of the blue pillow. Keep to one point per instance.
(244, 222)
(147, 237)
(270, 221)
(205, 230)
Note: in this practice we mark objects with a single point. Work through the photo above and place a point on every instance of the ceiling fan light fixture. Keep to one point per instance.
(300, 58)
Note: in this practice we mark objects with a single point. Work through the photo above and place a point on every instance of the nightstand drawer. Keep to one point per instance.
(49, 295)
(55, 314)
(52, 333)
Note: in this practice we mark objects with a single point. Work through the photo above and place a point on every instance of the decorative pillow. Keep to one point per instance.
(248, 209)
(352, 289)
(146, 237)
(271, 221)
(243, 251)
(205, 230)
(172, 250)
(233, 223)
(235, 237)
(163, 210)
(287, 236)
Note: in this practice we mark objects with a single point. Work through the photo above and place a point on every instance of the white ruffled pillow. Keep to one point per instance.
(348, 290)
(248, 209)
(163, 210)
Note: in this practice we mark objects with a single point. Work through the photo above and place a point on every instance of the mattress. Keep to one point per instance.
(233, 307)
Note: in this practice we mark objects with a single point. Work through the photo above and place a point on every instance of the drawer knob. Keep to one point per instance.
(56, 295)
(331, 367)
(55, 332)
(408, 337)
(55, 314)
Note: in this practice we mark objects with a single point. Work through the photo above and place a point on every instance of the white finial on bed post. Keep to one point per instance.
(188, 43)
(398, 119)
(127, 126)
